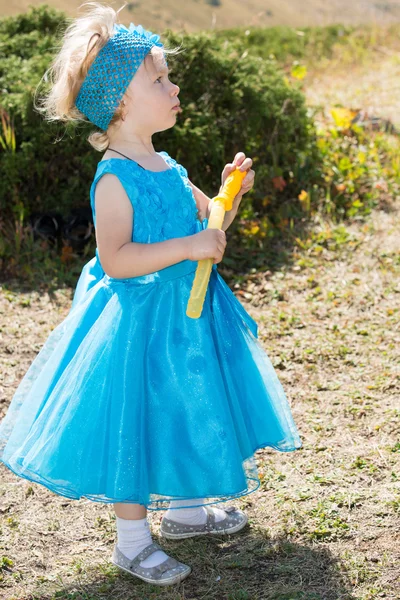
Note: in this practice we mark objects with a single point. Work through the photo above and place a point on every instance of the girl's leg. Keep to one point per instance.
(133, 533)
(130, 511)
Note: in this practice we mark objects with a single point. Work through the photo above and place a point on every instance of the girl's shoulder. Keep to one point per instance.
(126, 173)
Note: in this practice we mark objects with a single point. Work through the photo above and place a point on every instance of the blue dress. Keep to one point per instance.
(129, 399)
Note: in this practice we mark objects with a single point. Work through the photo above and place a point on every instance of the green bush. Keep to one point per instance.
(41, 174)
(231, 102)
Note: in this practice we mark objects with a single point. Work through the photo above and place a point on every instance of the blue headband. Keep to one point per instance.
(111, 72)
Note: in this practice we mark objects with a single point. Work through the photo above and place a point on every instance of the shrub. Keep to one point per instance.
(231, 101)
(39, 174)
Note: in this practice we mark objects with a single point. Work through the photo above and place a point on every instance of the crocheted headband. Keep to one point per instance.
(111, 72)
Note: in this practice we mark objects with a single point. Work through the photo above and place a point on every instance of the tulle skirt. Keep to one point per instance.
(130, 400)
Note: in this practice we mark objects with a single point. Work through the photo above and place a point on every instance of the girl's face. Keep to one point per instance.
(150, 98)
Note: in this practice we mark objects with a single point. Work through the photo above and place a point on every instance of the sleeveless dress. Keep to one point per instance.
(131, 400)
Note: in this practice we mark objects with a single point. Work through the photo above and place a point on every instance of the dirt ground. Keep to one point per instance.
(325, 522)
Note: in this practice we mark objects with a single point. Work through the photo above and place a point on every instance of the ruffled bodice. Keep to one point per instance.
(163, 202)
(164, 207)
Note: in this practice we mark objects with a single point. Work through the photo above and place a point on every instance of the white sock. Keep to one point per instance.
(191, 516)
(133, 536)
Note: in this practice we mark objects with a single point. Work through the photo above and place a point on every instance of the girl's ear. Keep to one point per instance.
(122, 106)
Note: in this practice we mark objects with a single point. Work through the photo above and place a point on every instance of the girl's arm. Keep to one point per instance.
(204, 203)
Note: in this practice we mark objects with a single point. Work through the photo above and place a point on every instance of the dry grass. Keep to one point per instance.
(356, 78)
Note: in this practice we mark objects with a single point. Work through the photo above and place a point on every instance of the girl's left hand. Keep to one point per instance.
(243, 164)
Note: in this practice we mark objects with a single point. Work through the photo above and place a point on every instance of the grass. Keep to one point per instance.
(324, 524)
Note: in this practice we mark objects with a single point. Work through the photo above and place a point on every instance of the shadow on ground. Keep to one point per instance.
(249, 566)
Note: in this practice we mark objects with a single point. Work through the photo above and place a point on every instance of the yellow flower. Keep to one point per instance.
(343, 117)
(303, 196)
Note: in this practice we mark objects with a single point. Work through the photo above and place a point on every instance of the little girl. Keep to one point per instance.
(130, 401)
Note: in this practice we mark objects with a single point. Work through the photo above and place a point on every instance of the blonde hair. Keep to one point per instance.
(80, 43)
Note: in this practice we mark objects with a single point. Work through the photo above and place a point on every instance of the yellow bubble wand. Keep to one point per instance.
(221, 203)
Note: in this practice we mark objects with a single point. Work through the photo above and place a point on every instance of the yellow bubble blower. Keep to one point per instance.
(221, 203)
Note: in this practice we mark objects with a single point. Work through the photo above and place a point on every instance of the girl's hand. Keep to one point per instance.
(208, 243)
(243, 164)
